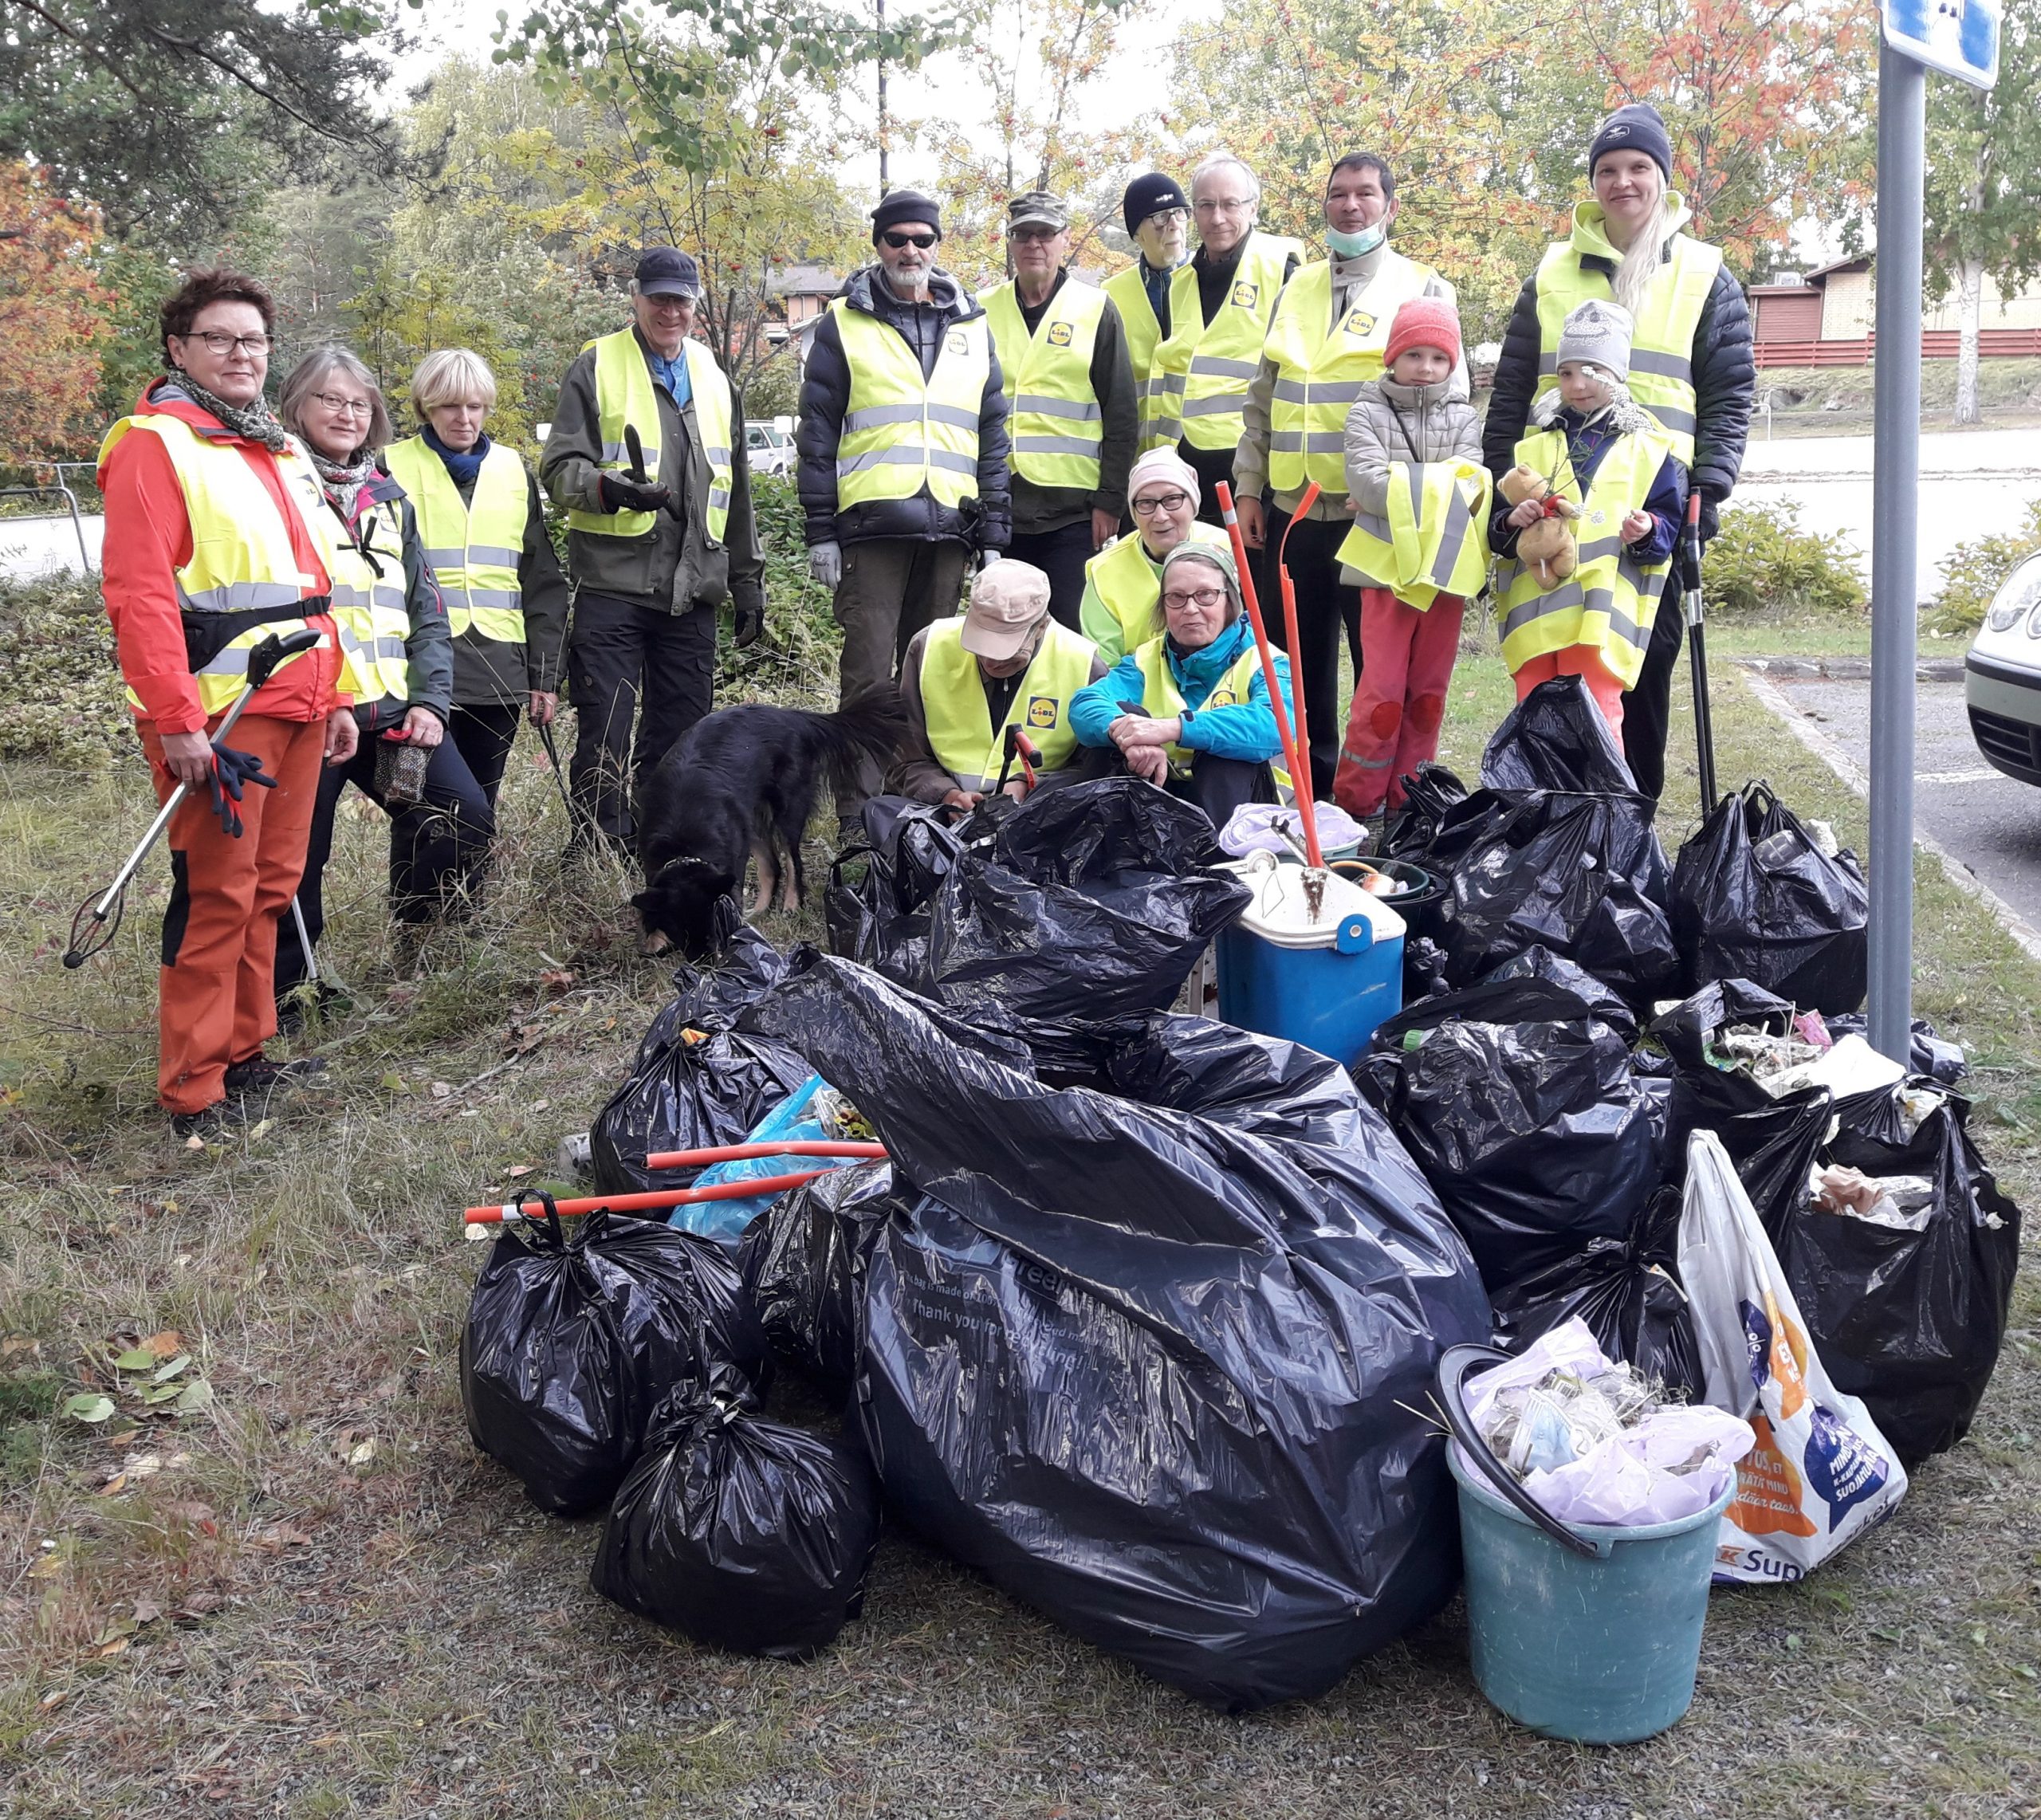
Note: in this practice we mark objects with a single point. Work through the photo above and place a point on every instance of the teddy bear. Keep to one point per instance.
(1548, 547)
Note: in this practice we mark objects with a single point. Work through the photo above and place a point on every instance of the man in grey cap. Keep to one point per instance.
(646, 455)
(1073, 415)
(903, 450)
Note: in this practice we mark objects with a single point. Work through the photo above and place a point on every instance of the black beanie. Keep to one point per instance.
(1146, 194)
(898, 205)
(1636, 127)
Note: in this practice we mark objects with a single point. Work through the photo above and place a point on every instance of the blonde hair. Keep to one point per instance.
(310, 373)
(449, 376)
(1646, 253)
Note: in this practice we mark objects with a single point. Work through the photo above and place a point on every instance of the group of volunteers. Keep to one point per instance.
(1052, 450)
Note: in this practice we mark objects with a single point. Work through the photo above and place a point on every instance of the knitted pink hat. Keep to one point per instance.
(1425, 322)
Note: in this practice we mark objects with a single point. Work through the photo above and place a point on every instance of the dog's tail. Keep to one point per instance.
(869, 729)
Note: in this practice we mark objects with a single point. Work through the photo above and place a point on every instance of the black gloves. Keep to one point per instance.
(232, 771)
(1710, 521)
(622, 495)
(749, 620)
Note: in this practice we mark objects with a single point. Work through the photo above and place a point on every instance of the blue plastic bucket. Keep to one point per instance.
(1600, 1651)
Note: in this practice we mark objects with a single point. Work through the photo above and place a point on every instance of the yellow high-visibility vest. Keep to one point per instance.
(242, 559)
(1661, 343)
(1144, 335)
(1203, 370)
(1610, 600)
(473, 545)
(628, 394)
(369, 609)
(1054, 423)
(1130, 582)
(1435, 540)
(1161, 699)
(1321, 366)
(901, 431)
(960, 730)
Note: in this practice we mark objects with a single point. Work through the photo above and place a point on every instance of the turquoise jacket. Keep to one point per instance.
(1245, 729)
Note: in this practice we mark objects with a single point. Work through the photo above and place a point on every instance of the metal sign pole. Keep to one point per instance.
(1895, 482)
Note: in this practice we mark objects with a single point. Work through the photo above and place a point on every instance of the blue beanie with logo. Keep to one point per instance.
(1636, 127)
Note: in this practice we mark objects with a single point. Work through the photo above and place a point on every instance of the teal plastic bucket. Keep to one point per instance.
(1598, 1651)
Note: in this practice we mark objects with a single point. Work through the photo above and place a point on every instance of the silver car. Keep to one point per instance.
(2001, 676)
(770, 448)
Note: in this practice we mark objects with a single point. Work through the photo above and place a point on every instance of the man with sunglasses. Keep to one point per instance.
(658, 537)
(1070, 400)
(903, 450)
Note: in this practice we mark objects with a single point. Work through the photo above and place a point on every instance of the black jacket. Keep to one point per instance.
(487, 672)
(825, 392)
(428, 644)
(1724, 377)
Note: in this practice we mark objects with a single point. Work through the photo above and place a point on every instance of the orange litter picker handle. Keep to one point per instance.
(1224, 494)
(640, 1203)
(744, 1152)
(1300, 784)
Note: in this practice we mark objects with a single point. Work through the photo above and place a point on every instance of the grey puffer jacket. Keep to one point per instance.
(1391, 422)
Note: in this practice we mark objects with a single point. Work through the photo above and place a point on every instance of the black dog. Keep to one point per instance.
(741, 783)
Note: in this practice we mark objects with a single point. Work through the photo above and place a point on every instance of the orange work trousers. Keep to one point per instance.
(1584, 662)
(217, 1004)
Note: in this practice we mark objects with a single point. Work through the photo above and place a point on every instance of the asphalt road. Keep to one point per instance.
(1988, 821)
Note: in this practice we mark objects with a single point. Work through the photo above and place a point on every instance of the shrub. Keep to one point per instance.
(1762, 564)
(1971, 573)
(57, 675)
(795, 661)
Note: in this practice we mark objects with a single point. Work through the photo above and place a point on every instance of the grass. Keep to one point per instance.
(251, 1609)
(1836, 401)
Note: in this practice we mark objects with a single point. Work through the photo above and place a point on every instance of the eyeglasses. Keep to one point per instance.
(219, 343)
(1226, 205)
(1165, 217)
(1034, 230)
(345, 406)
(666, 300)
(1158, 502)
(897, 240)
(1204, 599)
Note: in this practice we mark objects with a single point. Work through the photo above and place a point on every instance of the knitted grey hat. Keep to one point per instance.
(1598, 334)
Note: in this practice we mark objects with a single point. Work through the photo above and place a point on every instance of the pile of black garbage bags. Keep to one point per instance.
(1549, 1108)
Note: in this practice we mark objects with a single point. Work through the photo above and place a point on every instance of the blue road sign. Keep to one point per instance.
(1958, 37)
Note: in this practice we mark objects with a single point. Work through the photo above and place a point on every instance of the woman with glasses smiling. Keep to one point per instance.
(1122, 583)
(399, 649)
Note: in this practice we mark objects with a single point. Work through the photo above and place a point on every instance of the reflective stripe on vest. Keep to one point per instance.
(628, 397)
(1202, 370)
(1130, 583)
(370, 612)
(1435, 540)
(242, 558)
(473, 546)
(902, 432)
(1162, 699)
(1321, 366)
(1610, 600)
(1144, 335)
(1054, 424)
(960, 730)
(1661, 344)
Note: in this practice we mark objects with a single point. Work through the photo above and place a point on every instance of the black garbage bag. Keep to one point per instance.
(1537, 1136)
(803, 1261)
(1537, 987)
(741, 1533)
(1089, 900)
(1753, 897)
(1626, 1289)
(1912, 1321)
(695, 1081)
(1582, 875)
(1555, 739)
(1154, 1368)
(889, 873)
(1934, 1056)
(572, 1337)
(1428, 793)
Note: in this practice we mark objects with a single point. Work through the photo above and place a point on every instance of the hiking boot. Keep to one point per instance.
(219, 1123)
(258, 1076)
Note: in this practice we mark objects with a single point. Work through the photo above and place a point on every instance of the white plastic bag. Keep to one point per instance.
(1821, 1474)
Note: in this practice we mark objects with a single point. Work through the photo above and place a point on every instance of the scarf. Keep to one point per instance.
(345, 479)
(461, 465)
(253, 423)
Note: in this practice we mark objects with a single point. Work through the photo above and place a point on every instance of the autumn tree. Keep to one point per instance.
(53, 325)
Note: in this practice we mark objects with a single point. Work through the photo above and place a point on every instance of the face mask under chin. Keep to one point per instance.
(1353, 245)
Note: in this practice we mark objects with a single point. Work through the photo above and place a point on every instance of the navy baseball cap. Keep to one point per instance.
(664, 271)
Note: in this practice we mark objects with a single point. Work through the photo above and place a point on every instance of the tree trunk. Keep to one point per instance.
(1970, 310)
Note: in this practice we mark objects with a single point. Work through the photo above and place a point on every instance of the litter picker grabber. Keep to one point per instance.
(1697, 616)
(1018, 745)
(98, 919)
(656, 1197)
(858, 1149)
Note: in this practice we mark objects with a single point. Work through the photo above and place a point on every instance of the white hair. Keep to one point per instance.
(1224, 161)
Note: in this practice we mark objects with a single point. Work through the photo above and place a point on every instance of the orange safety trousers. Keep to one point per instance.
(217, 1001)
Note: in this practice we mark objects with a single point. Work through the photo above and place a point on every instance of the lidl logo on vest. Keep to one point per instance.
(1246, 294)
(1361, 322)
(1041, 711)
(955, 342)
(1059, 335)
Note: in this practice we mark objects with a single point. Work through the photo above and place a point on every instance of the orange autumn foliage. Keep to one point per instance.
(53, 322)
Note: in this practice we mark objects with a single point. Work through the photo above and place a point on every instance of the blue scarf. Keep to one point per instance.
(462, 467)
